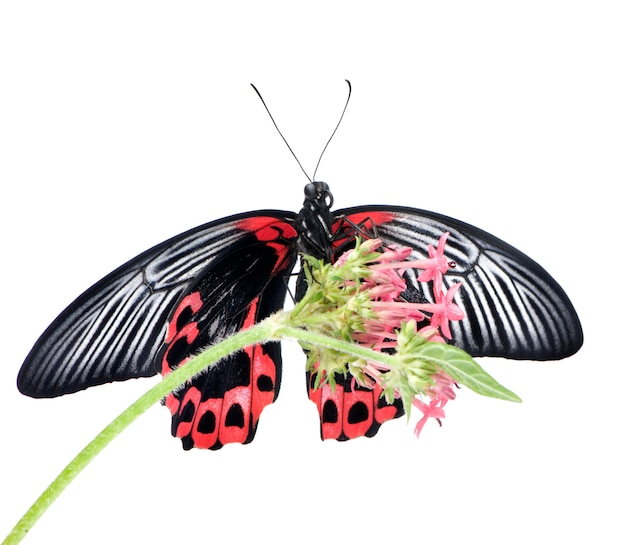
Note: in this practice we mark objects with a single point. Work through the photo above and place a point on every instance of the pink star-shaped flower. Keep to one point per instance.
(436, 265)
(434, 409)
(444, 310)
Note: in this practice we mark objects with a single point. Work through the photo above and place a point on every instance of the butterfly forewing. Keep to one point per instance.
(513, 308)
(115, 329)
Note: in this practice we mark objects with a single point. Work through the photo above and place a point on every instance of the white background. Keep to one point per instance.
(124, 123)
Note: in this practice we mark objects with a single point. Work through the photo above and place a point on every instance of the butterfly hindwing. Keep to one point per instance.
(243, 285)
(348, 411)
(115, 329)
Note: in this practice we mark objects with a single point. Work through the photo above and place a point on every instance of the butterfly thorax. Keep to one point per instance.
(314, 222)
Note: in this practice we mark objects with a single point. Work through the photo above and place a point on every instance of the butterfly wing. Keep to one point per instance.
(513, 308)
(349, 411)
(115, 329)
(245, 284)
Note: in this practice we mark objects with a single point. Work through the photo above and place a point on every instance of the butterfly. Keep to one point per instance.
(156, 311)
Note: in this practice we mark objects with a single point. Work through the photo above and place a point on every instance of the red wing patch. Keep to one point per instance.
(349, 412)
(274, 232)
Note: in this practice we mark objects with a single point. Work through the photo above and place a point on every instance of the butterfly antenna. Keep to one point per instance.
(281, 134)
(333, 133)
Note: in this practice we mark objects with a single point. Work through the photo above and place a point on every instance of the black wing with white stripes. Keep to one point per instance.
(115, 329)
(513, 307)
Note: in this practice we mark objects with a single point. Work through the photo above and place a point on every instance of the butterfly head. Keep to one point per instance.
(318, 195)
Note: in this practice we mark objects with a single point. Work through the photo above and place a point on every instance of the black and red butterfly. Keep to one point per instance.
(165, 305)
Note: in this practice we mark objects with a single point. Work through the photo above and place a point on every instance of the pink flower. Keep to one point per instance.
(444, 310)
(375, 274)
(437, 264)
(434, 409)
(440, 393)
(385, 283)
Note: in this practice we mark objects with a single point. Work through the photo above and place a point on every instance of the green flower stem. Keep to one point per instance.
(271, 329)
(253, 335)
(275, 327)
(347, 347)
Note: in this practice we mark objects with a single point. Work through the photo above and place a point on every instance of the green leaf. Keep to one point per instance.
(464, 370)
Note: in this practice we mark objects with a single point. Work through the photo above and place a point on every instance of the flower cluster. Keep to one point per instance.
(363, 298)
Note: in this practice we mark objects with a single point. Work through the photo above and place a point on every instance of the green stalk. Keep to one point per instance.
(270, 329)
(333, 343)
(253, 335)
(458, 364)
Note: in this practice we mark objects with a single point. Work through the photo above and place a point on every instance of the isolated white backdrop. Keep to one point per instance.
(124, 123)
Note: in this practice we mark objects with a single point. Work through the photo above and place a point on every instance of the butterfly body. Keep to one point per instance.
(167, 304)
(314, 222)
